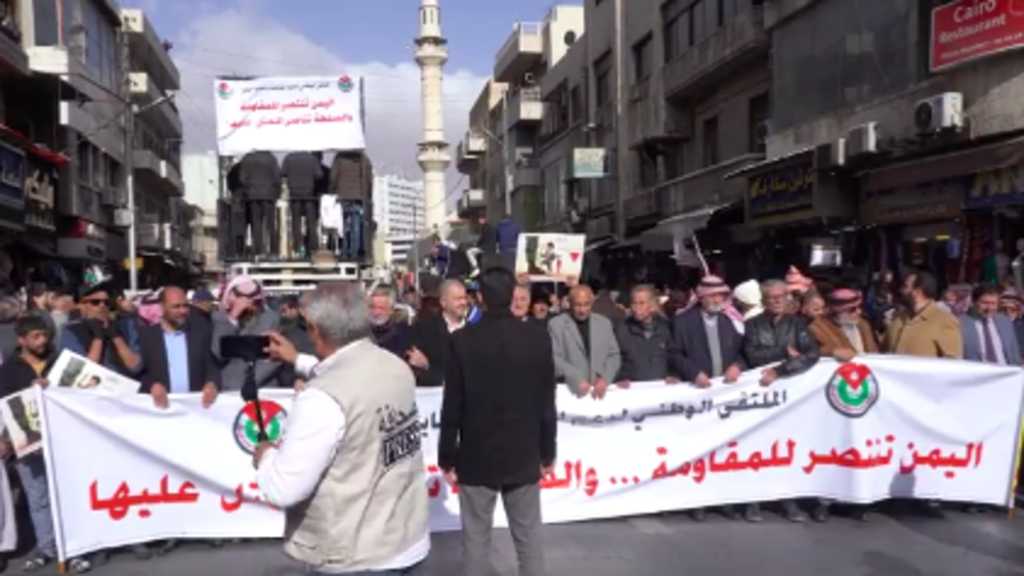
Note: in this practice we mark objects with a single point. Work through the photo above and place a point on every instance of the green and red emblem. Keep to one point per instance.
(224, 90)
(247, 431)
(853, 390)
(346, 84)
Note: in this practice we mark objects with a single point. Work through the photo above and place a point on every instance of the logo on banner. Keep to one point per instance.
(224, 90)
(247, 430)
(345, 84)
(853, 390)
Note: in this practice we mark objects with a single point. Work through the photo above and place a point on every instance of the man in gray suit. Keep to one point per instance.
(586, 353)
(989, 336)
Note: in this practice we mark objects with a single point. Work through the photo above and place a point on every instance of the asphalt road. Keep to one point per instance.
(897, 541)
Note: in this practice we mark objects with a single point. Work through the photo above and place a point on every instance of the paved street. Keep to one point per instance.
(893, 543)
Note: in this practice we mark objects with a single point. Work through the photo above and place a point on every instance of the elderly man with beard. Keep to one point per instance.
(844, 333)
(388, 333)
(705, 342)
(244, 313)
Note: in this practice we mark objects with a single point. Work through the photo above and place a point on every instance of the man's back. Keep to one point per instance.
(302, 170)
(499, 404)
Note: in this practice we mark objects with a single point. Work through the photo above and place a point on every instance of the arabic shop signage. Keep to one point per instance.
(853, 432)
(927, 202)
(1002, 187)
(785, 189)
(12, 187)
(589, 163)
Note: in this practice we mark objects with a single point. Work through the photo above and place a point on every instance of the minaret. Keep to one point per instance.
(431, 55)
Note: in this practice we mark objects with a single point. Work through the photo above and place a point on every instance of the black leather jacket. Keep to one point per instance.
(766, 342)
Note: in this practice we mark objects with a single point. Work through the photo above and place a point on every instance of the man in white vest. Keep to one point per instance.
(349, 470)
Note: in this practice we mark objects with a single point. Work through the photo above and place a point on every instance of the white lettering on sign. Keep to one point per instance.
(965, 13)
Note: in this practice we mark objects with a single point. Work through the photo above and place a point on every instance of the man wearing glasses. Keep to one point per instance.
(96, 335)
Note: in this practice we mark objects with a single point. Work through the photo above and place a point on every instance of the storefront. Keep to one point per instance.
(958, 214)
(797, 208)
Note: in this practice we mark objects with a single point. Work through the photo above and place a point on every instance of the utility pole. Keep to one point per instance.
(621, 125)
(507, 155)
(129, 162)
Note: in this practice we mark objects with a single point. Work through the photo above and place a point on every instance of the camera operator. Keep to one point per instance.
(243, 313)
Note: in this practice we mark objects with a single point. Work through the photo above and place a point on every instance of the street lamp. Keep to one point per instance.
(129, 161)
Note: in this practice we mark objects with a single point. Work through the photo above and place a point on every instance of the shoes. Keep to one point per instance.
(79, 566)
(699, 515)
(820, 514)
(793, 512)
(973, 509)
(730, 512)
(860, 513)
(933, 509)
(35, 563)
(141, 552)
(752, 514)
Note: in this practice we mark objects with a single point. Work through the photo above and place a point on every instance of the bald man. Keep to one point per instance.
(432, 335)
(176, 353)
(587, 355)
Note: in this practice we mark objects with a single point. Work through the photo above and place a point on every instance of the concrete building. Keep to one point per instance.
(200, 175)
(434, 156)
(163, 219)
(500, 151)
(907, 151)
(399, 208)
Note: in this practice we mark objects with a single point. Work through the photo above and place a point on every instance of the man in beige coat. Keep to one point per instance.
(923, 329)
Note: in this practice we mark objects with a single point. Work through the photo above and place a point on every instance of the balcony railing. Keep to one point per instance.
(523, 49)
(743, 39)
(526, 106)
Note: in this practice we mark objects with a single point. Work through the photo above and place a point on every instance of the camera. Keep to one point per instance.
(245, 348)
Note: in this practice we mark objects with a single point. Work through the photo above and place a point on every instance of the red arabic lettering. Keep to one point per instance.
(122, 501)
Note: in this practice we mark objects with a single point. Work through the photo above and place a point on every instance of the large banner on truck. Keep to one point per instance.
(122, 471)
(289, 114)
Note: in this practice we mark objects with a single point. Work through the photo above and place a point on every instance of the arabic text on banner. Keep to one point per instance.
(881, 428)
(289, 114)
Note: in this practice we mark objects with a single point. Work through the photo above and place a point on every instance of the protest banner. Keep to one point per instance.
(550, 257)
(20, 413)
(289, 114)
(75, 371)
(882, 427)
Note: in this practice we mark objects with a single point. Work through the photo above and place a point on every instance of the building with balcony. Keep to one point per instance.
(202, 188)
(399, 208)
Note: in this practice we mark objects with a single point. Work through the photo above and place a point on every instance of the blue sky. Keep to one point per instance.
(367, 30)
(370, 38)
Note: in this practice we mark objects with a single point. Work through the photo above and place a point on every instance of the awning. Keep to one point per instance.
(599, 243)
(981, 158)
(38, 151)
(687, 223)
(768, 165)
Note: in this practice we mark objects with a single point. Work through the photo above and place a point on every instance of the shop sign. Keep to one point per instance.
(12, 186)
(927, 202)
(784, 190)
(1002, 187)
(589, 163)
(966, 30)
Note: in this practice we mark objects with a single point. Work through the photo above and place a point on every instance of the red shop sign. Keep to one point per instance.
(966, 30)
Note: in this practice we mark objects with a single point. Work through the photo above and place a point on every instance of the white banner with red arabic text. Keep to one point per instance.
(289, 114)
(122, 471)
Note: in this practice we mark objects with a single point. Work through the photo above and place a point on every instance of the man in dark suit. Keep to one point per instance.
(260, 177)
(705, 343)
(645, 338)
(989, 336)
(176, 354)
(302, 171)
(432, 335)
(498, 427)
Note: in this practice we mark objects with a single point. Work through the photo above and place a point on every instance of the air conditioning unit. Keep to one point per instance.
(862, 140)
(939, 113)
(529, 79)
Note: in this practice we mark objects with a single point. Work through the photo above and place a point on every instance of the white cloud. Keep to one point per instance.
(242, 42)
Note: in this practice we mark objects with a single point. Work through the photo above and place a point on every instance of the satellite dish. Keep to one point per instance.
(570, 38)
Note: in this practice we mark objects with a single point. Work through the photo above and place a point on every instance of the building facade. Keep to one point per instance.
(74, 74)
(201, 178)
(400, 213)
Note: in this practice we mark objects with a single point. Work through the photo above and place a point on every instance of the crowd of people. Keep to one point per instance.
(594, 340)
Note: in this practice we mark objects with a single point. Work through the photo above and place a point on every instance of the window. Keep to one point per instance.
(647, 169)
(46, 28)
(84, 162)
(578, 112)
(642, 59)
(760, 112)
(677, 35)
(603, 79)
(711, 141)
